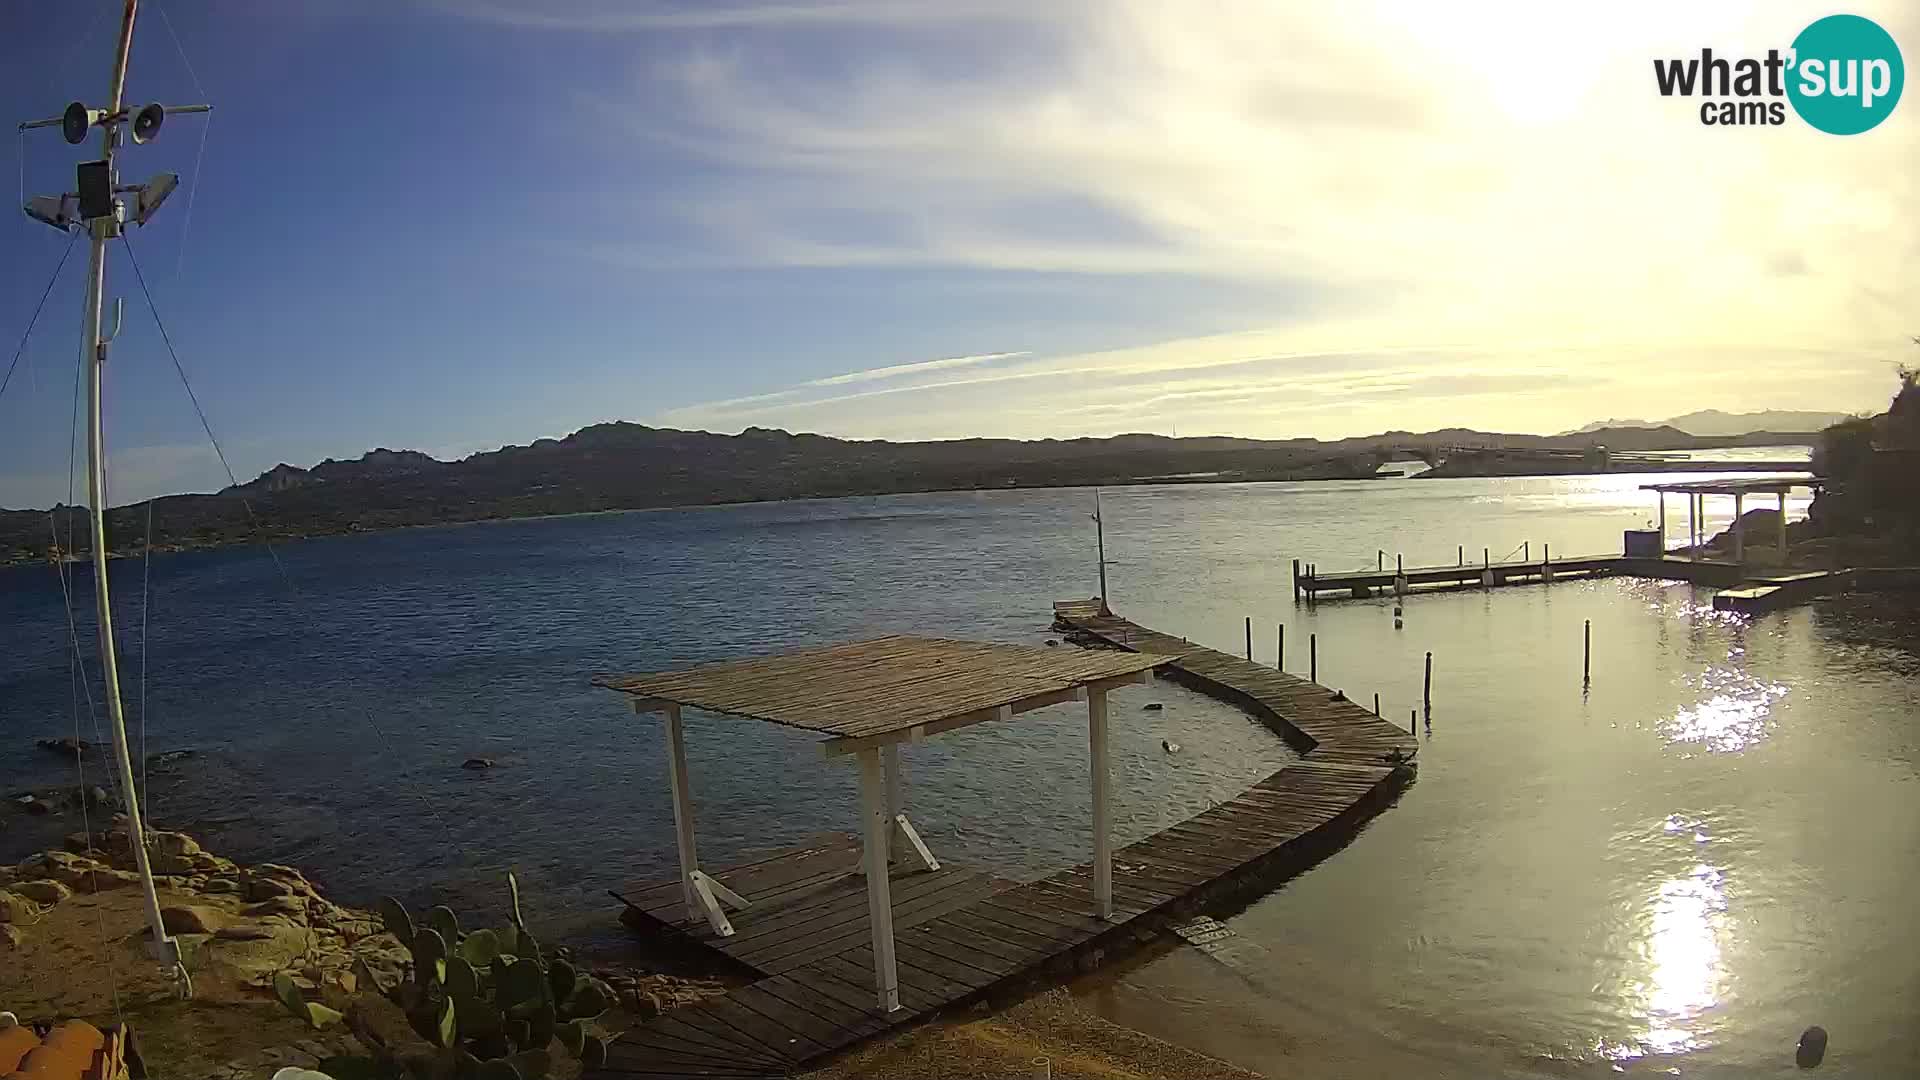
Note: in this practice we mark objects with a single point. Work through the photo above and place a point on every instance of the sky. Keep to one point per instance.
(449, 225)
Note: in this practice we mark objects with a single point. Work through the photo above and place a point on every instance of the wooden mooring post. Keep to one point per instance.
(1586, 655)
(1426, 693)
(1296, 581)
(1313, 658)
(1249, 639)
(1461, 558)
(1413, 720)
(1376, 703)
(1280, 649)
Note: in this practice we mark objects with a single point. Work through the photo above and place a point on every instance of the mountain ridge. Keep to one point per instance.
(1713, 422)
(622, 465)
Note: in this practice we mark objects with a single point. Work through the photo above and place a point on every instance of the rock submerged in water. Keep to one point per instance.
(1813, 1047)
(67, 746)
(1152, 706)
(477, 763)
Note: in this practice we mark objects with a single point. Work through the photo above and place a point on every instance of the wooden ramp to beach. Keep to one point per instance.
(961, 935)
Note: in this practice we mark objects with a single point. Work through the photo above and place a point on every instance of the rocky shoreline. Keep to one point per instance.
(73, 934)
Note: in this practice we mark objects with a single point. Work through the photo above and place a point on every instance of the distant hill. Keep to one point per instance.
(1715, 422)
(624, 466)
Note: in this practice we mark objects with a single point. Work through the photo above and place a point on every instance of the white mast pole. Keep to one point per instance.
(104, 229)
(1100, 552)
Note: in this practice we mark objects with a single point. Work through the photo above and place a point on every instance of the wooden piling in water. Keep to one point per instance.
(1249, 639)
(1426, 693)
(1280, 649)
(1376, 703)
(1460, 558)
(1586, 654)
(1413, 720)
(1313, 658)
(1296, 581)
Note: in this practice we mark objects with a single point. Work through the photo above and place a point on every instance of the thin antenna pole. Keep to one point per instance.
(1100, 539)
(103, 229)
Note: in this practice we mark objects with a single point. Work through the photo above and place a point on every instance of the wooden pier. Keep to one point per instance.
(1313, 586)
(1771, 593)
(958, 935)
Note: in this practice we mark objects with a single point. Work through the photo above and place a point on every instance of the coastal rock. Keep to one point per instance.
(173, 843)
(291, 907)
(67, 746)
(45, 893)
(258, 887)
(35, 805)
(192, 919)
(244, 933)
(15, 908)
(477, 763)
(10, 938)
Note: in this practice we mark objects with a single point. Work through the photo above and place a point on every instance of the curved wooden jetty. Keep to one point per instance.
(960, 935)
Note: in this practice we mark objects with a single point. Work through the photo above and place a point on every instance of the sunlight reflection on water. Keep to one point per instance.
(1734, 711)
(1683, 954)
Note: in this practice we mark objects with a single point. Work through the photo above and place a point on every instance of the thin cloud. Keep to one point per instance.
(586, 16)
(898, 370)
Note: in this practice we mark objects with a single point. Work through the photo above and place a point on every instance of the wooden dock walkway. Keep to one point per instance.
(1313, 586)
(961, 935)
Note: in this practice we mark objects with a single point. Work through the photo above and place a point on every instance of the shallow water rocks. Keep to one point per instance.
(67, 746)
(1813, 1047)
(477, 763)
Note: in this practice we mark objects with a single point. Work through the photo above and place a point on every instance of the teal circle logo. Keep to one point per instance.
(1847, 74)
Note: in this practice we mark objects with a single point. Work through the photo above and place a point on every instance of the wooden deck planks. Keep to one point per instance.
(959, 933)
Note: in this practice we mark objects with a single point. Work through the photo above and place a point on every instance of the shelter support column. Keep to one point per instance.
(1663, 521)
(905, 839)
(1781, 538)
(1102, 802)
(1739, 528)
(703, 894)
(875, 828)
(1693, 526)
(682, 808)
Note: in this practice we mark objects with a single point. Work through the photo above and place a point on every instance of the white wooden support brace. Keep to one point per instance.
(1102, 808)
(703, 894)
(720, 892)
(875, 827)
(905, 839)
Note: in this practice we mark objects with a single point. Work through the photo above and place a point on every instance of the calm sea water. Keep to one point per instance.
(1678, 869)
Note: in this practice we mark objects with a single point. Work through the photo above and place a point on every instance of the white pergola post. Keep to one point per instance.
(1739, 530)
(1102, 802)
(905, 839)
(703, 894)
(682, 808)
(1693, 526)
(876, 828)
(1663, 523)
(1781, 541)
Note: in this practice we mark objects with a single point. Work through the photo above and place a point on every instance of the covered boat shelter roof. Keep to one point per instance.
(1697, 491)
(1757, 485)
(867, 697)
